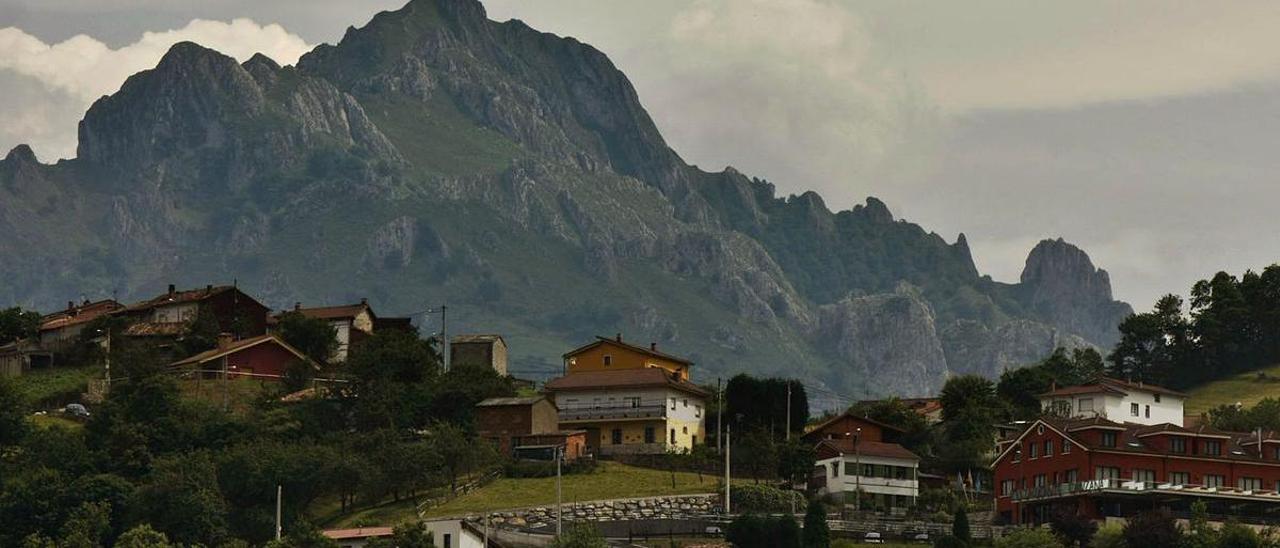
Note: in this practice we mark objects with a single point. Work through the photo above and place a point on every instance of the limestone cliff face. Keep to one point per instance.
(1066, 290)
(434, 156)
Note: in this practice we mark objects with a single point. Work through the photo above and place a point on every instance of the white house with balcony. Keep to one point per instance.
(887, 474)
(1117, 400)
(631, 411)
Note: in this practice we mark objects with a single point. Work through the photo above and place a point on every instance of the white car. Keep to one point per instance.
(872, 537)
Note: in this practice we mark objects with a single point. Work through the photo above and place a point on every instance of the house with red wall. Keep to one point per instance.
(263, 357)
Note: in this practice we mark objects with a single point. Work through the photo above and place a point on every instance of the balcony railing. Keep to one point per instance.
(630, 409)
(1117, 485)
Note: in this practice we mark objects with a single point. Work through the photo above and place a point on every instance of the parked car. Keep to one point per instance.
(873, 537)
(76, 410)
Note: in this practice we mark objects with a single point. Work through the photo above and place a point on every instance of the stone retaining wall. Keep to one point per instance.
(676, 507)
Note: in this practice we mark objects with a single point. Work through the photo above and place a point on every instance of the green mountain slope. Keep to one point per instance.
(435, 156)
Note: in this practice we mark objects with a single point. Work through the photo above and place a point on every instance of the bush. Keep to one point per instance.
(960, 525)
(580, 536)
(1110, 535)
(1035, 537)
(752, 531)
(1153, 528)
(546, 469)
(1072, 528)
(1235, 535)
(950, 541)
(764, 499)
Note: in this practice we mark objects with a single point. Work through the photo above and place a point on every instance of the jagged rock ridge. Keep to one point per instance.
(436, 156)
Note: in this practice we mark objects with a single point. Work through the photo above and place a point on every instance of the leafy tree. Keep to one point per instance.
(1200, 533)
(180, 497)
(816, 532)
(143, 536)
(1072, 528)
(1152, 528)
(969, 409)
(31, 503)
(391, 373)
(1153, 346)
(756, 453)
(456, 393)
(917, 434)
(202, 334)
(88, 526)
(579, 536)
(1032, 537)
(298, 374)
(786, 532)
(748, 531)
(949, 541)
(753, 404)
(314, 337)
(13, 414)
(16, 323)
(305, 535)
(960, 525)
(795, 460)
(1022, 387)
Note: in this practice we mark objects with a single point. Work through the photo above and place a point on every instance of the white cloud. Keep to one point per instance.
(84, 69)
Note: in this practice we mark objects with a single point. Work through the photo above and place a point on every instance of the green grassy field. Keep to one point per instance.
(610, 480)
(1246, 388)
(56, 386)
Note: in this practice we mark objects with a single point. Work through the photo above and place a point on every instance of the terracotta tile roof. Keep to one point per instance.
(184, 296)
(359, 533)
(650, 377)
(1127, 385)
(1083, 389)
(78, 315)
(871, 449)
(502, 402)
(811, 429)
(1140, 438)
(643, 350)
(236, 346)
(1112, 386)
(333, 312)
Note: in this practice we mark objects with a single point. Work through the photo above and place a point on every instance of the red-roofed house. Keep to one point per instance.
(262, 357)
(629, 399)
(61, 329)
(352, 323)
(170, 316)
(886, 472)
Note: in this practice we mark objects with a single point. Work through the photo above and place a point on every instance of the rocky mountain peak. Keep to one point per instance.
(875, 210)
(21, 154)
(1065, 287)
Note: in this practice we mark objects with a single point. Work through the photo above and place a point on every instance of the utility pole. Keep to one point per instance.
(719, 413)
(857, 469)
(279, 496)
(225, 397)
(444, 336)
(788, 426)
(559, 508)
(108, 359)
(726, 471)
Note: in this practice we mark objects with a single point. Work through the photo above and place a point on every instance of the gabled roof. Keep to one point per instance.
(870, 449)
(850, 414)
(334, 312)
(184, 296)
(358, 533)
(1109, 385)
(650, 377)
(78, 314)
(506, 402)
(1136, 438)
(237, 346)
(616, 342)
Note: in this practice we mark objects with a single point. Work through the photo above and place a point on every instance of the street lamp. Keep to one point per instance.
(857, 469)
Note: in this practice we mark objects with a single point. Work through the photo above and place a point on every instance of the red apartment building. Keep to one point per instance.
(1100, 468)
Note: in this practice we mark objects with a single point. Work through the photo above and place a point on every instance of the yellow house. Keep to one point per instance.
(629, 399)
(605, 354)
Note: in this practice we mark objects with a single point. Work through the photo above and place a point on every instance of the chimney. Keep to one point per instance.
(618, 337)
(224, 340)
(208, 288)
(364, 301)
(172, 289)
(71, 306)
(297, 306)
(653, 346)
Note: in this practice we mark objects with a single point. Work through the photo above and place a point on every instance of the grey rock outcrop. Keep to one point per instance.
(1065, 289)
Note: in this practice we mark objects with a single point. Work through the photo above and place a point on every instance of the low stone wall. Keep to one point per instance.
(655, 508)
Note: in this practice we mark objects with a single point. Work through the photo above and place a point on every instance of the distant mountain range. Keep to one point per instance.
(437, 156)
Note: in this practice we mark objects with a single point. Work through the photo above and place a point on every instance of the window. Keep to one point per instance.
(1040, 429)
(1249, 484)
(1133, 409)
(1017, 452)
(632, 401)
(1146, 410)
(1066, 447)
(1038, 480)
(1212, 447)
(673, 435)
(448, 540)
(684, 429)
(1006, 488)
(1157, 398)
(1144, 476)
(1214, 480)
(1179, 478)
(835, 469)
(1177, 445)
(1072, 476)
(673, 404)
(1277, 452)
(649, 435)
(1085, 405)
(868, 470)
(1106, 472)
(1035, 449)
(697, 411)
(608, 360)
(1108, 439)
(686, 402)
(616, 434)
(1048, 448)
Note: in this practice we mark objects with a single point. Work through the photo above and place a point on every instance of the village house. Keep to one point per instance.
(62, 329)
(21, 356)
(445, 533)
(859, 454)
(351, 322)
(170, 316)
(487, 351)
(1117, 400)
(263, 357)
(629, 399)
(527, 427)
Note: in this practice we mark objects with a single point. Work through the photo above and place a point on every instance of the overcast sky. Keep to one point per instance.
(1145, 132)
